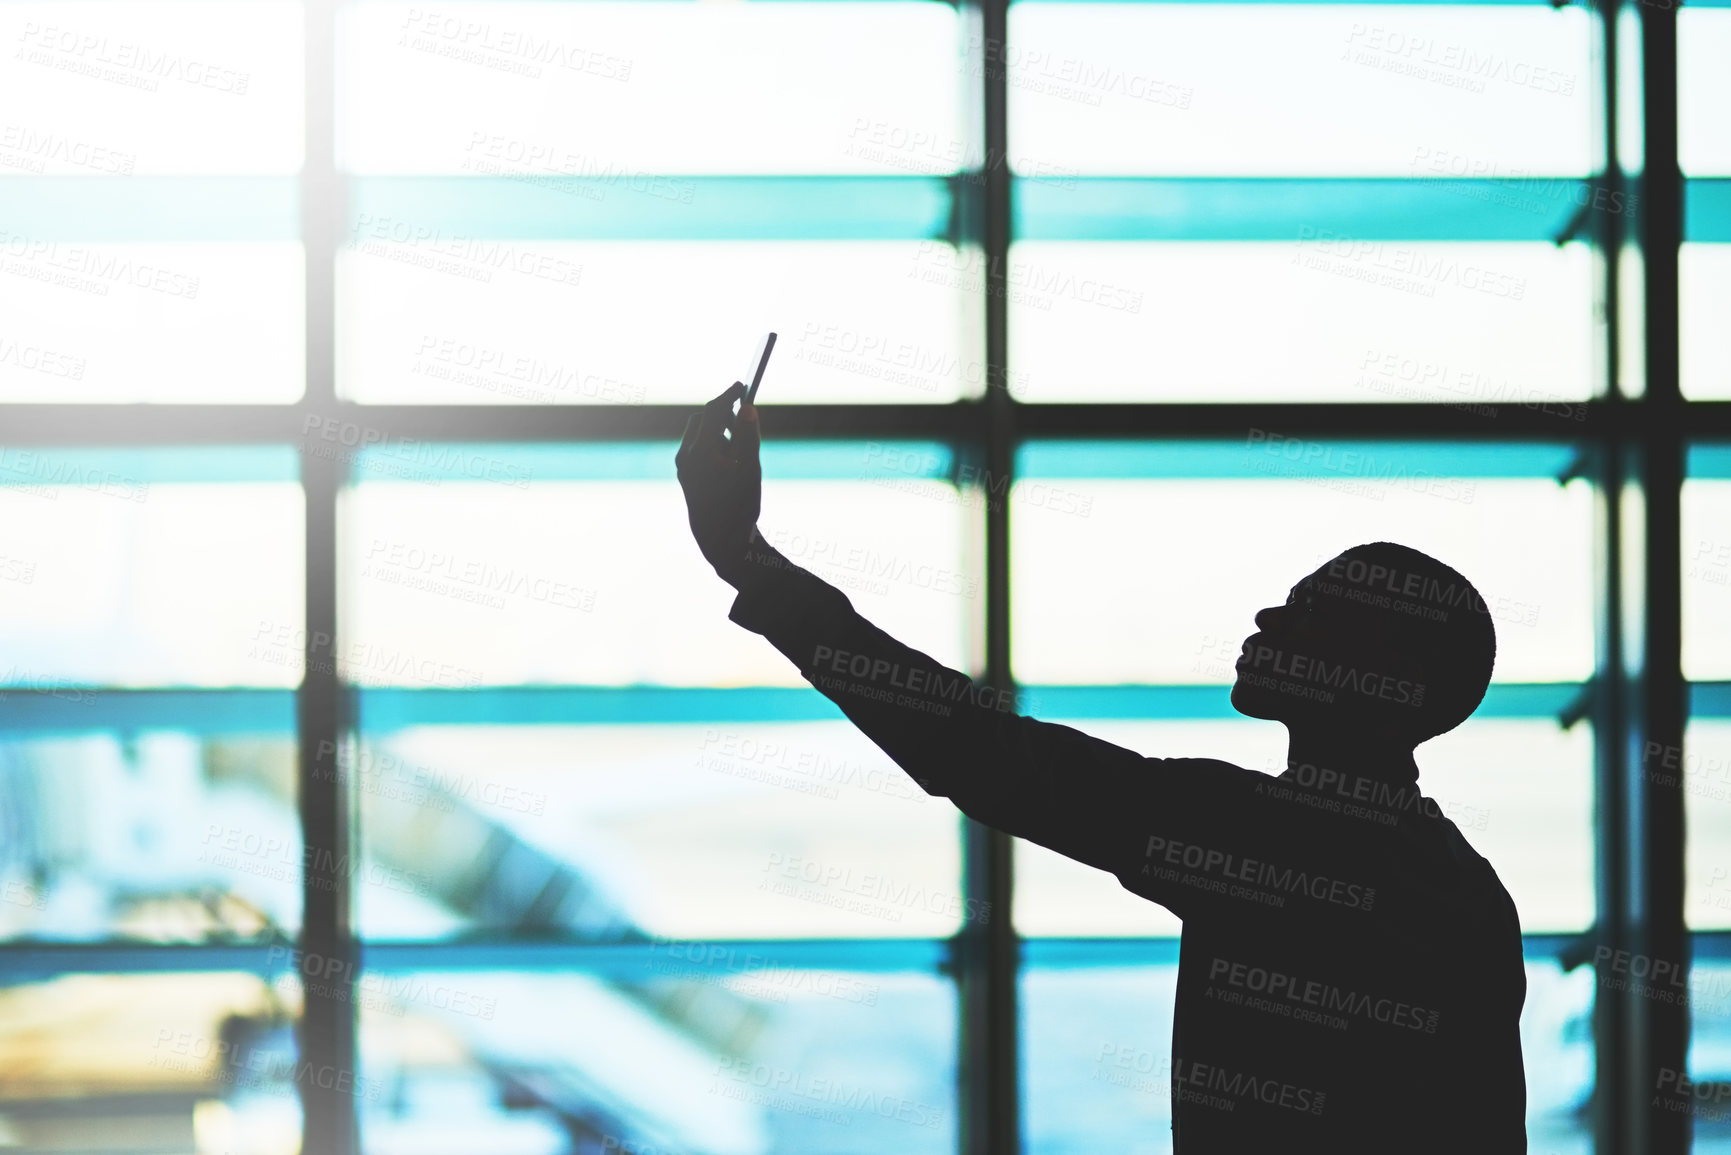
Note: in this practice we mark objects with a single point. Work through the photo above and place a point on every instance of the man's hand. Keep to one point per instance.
(723, 482)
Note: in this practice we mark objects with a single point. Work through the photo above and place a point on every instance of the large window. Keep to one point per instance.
(379, 771)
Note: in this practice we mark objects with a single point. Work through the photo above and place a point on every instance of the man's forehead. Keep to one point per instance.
(1320, 583)
(1310, 580)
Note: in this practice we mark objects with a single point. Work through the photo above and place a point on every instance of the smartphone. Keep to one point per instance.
(757, 366)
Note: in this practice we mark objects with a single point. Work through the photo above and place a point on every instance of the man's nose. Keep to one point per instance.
(1265, 618)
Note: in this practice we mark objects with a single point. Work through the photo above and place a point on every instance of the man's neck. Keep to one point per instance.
(1385, 761)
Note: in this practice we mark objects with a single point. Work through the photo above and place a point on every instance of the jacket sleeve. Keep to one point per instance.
(1090, 800)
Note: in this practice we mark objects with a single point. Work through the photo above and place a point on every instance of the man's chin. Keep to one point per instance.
(1253, 702)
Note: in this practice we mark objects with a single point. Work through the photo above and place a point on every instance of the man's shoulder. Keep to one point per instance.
(1218, 776)
(1208, 766)
(1475, 866)
(1486, 901)
(1296, 799)
(1497, 895)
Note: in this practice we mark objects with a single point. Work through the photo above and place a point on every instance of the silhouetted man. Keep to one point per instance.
(1350, 978)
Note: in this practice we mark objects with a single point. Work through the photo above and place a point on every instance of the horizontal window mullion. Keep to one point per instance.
(69, 426)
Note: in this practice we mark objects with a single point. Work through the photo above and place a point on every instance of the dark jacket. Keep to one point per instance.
(1350, 976)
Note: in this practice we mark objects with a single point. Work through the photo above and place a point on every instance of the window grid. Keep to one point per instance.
(1633, 444)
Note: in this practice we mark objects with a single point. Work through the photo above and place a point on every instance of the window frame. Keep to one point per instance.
(1633, 448)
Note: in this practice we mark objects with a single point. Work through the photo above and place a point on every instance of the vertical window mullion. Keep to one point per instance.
(1643, 704)
(326, 1073)
(1657, 831)
(989, 1067)
(1611, 715)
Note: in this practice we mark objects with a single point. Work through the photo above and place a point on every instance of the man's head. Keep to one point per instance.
(1383, 640)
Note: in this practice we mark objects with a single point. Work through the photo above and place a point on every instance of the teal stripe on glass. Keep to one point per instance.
(1707, 461)
(1707, 208)
(1378, 3)
(35, 961)
(874, 3)
(108, 209)
(515, 463)
(125, 472)
(384, 710)
(640, 206)
(1294, 209)
(698, 959)
(1063, 954)
(1710, 699)
(80, 709)
(1194, 702)
(73, 710)
(1503, 700)
(1101, 953)
(632, 206)
(520, 463)
(1019, 3)
(1267, 454)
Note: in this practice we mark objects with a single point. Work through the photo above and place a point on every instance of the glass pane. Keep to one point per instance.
(1519, 790)
(1697, 1093)
(429, 316)
(116, 578)
(1703, 91)
(1704, 345)
(1229, 90)
(1337, 318)
(773, 830)
(150, 1063)
(151, 321)
(119, 89)
(612, 89)
(148, 831)
(1097, 1059)
(534, 579)
(1703, 769)
(1132, 545)
(1524, 542)
(1706, 533)
(818, 1063)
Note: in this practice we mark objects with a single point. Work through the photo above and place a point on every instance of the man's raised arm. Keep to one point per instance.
(1050, 784)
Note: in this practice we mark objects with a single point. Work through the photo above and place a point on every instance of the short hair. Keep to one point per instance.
(1442, 618)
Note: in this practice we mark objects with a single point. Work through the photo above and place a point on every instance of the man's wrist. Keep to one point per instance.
(776, 595)
(760, 565)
